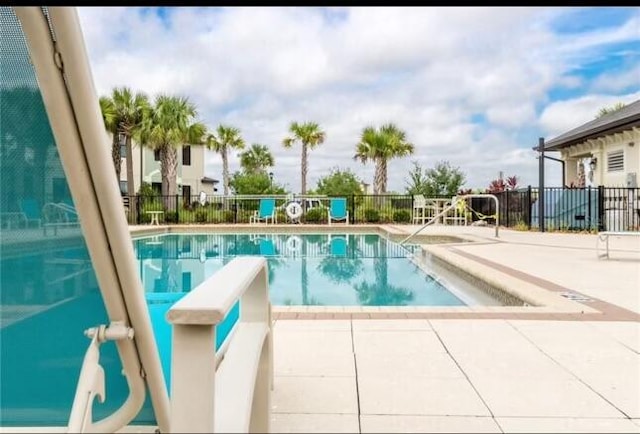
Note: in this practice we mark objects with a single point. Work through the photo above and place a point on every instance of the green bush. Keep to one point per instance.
(229, 216)
(171, 217)
(371, 215)
(401, 216)
(314, 215)
(201, 216)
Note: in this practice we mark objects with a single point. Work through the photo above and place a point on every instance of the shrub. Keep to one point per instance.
(229, 216)
(171, 217)
(401, 216)
(314, 215)
(201, 216)
(371, 215)
(521, 226)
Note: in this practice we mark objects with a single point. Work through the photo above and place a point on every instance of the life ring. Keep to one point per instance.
(294, 243)
(294, 210)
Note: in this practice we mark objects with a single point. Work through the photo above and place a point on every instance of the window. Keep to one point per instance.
(615, 161)
(186, 194)
(156, 154)
(157, 187)
(124, 191)
(186, 155)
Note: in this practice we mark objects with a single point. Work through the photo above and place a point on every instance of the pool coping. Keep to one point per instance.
(542, 298)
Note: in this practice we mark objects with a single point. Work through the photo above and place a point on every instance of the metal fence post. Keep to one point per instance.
(601, 208)
(138, 210)
(352, 211)
(177, 208)
(506, 208)
(529, 207)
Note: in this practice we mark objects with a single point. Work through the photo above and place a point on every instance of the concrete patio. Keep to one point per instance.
(475, 375)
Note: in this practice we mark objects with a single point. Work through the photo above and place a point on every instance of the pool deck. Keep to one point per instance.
(475, 371)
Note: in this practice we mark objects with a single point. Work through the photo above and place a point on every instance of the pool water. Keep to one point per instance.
(304, 270)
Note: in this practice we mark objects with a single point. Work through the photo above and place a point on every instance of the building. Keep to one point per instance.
(191, 171)
(604, 151)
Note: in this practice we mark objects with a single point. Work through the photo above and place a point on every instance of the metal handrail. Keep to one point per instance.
(454, 203)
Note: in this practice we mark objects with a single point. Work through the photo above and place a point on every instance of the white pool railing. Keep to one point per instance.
(235, 396)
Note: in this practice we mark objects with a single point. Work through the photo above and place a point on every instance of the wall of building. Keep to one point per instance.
(628, 142)
(187, 175)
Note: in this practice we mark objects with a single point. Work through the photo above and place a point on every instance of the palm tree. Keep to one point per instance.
(381, 145)
(309, 135)
(226, 137)
(257, 158)
(126, 113)
(110, 119)
(171, 124)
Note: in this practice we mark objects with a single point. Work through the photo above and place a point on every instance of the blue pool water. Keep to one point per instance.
(316, 269)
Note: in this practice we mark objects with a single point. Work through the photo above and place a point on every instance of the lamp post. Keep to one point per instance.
(270, 180)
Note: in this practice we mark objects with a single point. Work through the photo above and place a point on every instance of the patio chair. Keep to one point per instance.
(338, 210)
(31, 211)
(419, 209)
(266, 211)
(110, 306)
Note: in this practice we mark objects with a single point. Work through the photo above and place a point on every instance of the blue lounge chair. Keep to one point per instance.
(338, 246)
(338, 210)
(31, 211)
(267, 211)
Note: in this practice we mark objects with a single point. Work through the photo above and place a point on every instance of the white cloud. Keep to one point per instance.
(562, 116)
(430, 70)
(617, 81)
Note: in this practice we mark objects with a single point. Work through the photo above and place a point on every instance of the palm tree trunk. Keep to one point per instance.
(130, 189)
(378, 179)
(169, 171)
(383, 174)
(115, 155)
(225, 170)
(303, 174)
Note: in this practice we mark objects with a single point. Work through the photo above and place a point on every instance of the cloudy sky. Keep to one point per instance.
(473, 86)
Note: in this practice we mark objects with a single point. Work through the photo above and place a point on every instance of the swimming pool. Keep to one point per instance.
(304, 269)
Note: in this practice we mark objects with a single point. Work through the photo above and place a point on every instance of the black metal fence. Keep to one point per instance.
(573, 209)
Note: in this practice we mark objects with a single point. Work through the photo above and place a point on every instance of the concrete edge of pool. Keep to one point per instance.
(541, 299)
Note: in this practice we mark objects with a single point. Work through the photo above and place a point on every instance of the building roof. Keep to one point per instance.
(206, 179)
(620, 120)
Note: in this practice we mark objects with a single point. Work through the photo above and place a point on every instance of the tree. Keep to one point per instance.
(614, 108)
(339, 183)
(172, 123)
(310, 136)
(499, 185)
(125, 114)
(444, 180)
(417, 182)
(225, 138)
(254, 183)
(109, 117)
(257, 158)
(379, 146)
(441, 180)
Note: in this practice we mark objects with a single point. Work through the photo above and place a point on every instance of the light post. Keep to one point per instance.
(270, 180)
